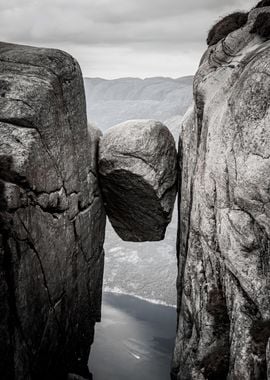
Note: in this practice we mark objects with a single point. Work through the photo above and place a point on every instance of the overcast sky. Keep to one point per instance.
(119, 38)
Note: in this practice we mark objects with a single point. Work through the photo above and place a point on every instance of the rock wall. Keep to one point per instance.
(51, 217)
(224, 216)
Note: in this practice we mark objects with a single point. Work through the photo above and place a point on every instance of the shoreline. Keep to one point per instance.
(118, 291)
(134, 340)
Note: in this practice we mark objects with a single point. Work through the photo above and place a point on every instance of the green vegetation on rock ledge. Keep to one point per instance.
(225, 26)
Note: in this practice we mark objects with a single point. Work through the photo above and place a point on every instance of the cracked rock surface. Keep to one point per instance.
(224, 215)
(137, 167)
(51, 216)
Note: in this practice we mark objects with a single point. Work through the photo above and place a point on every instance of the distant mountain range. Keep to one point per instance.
(110, 102)
(145, 270)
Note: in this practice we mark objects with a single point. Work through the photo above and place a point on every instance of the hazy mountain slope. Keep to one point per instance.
(173, 123)
(147, 270)
(113, 101)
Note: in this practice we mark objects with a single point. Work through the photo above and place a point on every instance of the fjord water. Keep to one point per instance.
(134, 340)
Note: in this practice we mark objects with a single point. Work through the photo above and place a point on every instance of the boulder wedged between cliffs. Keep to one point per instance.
(138, 178)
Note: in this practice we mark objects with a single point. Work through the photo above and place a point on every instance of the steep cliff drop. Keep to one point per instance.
(224, 218)
(51, 217)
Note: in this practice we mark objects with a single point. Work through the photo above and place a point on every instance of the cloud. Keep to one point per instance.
(159, 28)
(109, 21)
(125, 61)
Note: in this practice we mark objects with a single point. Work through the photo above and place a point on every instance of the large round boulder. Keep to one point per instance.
(138, 174)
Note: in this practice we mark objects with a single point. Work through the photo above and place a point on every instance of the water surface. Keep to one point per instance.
(134, 341)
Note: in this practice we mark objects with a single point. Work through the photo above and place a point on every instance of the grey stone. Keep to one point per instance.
(224, 232)
(137, 167)
(72, 376)
(52, 218)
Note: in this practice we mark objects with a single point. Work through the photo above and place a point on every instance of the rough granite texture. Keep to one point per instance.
(138, 173)
(51, 217)
(224, 224)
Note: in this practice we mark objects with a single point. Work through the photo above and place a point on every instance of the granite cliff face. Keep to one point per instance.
(52, 219)
(224, 216)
